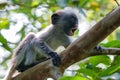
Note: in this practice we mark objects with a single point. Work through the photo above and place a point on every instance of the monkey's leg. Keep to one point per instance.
(10, 73)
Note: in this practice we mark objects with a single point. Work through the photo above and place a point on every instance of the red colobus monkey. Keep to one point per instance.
(36, 48)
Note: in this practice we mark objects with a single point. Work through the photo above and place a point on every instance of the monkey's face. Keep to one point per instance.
(69, 24)
(66, 21)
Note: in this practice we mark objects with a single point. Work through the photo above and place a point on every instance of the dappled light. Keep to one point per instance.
(98, 20)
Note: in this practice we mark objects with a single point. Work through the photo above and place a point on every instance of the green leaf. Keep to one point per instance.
(95, 60)
(116, 60)
(83, 3)
(110, 70)
(15, 1)
(2, 5)
(88, 72)
(114, 43)
(23, 2)
(35, 3)
(72, 78)
(82, 64)
(4, 23)
(4, 43)
(76, 33)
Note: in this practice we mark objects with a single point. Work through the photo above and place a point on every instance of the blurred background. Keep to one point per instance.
(19, 17)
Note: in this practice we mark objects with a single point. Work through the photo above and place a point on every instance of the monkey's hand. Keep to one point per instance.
(56, 59)
(98, 48)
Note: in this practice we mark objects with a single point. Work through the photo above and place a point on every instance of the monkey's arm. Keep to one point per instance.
(43, 49)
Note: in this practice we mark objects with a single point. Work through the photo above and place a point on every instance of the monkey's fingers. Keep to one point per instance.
(56, 61)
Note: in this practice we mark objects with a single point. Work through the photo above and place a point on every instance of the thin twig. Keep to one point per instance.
(117, 2)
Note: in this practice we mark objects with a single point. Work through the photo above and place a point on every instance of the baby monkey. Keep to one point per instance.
(36, 48)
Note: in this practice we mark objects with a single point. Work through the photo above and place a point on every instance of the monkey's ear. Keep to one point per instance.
(55, 18)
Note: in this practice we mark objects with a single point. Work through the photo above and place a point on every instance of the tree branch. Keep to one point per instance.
(105, 51)
(81, 47)
(78, 50)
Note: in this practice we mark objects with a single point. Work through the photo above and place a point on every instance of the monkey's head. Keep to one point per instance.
(66, 20)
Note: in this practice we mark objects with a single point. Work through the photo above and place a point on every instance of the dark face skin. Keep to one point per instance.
(67, 20)
(70, 24)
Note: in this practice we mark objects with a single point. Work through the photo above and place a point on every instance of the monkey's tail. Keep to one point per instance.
(10, 73)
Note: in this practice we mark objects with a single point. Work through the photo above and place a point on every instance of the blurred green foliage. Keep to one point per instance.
(38, 14)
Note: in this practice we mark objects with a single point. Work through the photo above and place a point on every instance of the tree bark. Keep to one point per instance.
(78, 50)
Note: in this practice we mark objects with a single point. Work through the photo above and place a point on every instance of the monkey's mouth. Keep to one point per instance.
(72, 31)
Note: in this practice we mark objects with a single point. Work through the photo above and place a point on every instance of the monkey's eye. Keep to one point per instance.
(72, 20)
